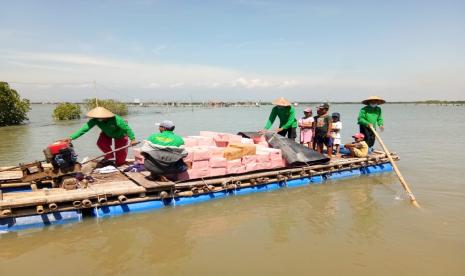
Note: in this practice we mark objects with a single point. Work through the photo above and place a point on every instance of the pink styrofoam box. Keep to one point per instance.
(249, 159)
(262, 156)
(190, 155)
(221, 143)
(218, 171)
(234, 138)
(203, 141)
(208, 133)
(190, 142)
(215, 151)
(258, 139)
(252, 167)
(201, 164)
(277, 164)
(218, 162)
(263, 144)
(275, 154)
(265, 165)
(246, 141)
(236, 170)
(200, 153)
(194, 174)
(234, 163)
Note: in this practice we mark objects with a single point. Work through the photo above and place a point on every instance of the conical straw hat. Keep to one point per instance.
(373, 98)
(100, 113)
(281, 101)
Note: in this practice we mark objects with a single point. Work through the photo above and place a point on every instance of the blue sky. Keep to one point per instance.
(234, 50)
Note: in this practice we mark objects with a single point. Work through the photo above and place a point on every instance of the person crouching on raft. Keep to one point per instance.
(359, 148)
(163, 153)
(287, 120)
(371, 115)
(113, 128)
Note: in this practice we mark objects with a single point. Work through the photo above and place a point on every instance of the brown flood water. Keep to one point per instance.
(357, 226)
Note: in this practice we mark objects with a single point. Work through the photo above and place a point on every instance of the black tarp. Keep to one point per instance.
(294, 153)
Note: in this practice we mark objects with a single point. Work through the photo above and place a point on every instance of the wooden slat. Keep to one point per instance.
(11, 175)
(148, 184)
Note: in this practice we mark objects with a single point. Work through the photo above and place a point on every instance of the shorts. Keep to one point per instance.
(327, 141)
(358, 153)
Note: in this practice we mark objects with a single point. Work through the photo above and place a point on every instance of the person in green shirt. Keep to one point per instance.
(287, 121)
(113, 128)
(166, 137)
(371, 115)
(163, 153)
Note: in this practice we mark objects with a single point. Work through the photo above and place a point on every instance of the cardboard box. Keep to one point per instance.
(246, 149)
(232, 153)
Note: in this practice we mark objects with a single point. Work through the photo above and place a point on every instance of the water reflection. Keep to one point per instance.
(15, 143)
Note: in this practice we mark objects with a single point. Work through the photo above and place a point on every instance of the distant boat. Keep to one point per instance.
(257, 104)
(296, 104)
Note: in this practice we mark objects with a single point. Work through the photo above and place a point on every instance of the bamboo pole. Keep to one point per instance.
(100, 156)
(399, 175)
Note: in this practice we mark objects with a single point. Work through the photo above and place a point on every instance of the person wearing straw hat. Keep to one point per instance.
(371, 115)
(113, 128)
(287, 120)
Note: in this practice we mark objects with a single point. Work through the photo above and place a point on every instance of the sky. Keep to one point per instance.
(232, 50)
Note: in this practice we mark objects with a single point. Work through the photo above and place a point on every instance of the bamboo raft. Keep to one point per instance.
(27, 205)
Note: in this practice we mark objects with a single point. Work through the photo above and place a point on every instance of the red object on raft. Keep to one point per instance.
(57, 146)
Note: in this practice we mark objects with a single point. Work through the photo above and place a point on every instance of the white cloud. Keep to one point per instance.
(131, 78)
(251, 83)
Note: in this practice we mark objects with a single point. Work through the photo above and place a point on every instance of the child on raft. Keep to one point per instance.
(359, 148)
(306, 128)
(322, 130)
(336, 132)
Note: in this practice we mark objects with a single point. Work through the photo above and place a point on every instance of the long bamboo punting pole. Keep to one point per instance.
(100, 156)
(399, 175)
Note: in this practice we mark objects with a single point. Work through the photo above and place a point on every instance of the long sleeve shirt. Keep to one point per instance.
(286, 117)
(370, 115)
(114, 127)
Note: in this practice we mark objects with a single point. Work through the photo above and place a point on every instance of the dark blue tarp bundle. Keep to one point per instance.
(294, 153)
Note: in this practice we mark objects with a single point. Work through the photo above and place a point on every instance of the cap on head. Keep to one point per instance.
(323, 106)
(308, 110)
(167, 124)
(100, 113)
(336, 114)
(359, 136)
(373, 99)
(281, 102)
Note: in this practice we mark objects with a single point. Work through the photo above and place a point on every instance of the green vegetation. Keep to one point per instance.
(114, 106)
(67, 111)
(13, 109)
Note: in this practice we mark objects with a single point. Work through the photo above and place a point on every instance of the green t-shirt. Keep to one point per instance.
(370, 115)
(114, 127)
(322, 123)
(166, 138)
(286, 117)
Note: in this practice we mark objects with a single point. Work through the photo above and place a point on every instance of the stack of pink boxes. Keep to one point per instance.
(205, 156)
(205, 160)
